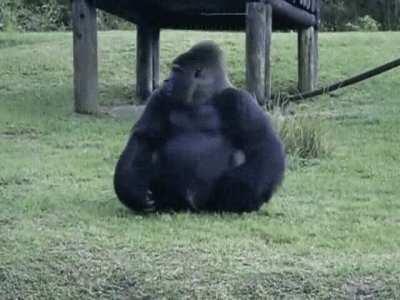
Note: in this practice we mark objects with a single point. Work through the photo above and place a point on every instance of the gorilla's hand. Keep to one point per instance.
(138, 199)
(150, 205)
(145, 203)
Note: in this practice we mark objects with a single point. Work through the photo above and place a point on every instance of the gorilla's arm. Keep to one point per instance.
(135, 168)
(248, 186)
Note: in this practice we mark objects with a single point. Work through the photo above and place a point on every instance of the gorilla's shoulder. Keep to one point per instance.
(237, 94)
(234, 99)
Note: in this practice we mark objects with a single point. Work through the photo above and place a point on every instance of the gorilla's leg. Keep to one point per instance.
(132, 175)
(231, 195)
(165, 197)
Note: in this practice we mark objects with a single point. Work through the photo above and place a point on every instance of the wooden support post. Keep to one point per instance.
(255, 49)
(307, 59)
(85, 56)
(144, 62)
(156, 58)
(316, 57)
(268, 42)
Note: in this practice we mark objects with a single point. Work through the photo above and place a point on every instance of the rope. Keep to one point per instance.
(347, 82)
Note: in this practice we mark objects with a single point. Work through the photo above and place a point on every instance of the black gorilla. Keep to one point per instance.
(201, 144)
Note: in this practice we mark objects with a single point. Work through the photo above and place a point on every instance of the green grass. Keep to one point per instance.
(332, 231)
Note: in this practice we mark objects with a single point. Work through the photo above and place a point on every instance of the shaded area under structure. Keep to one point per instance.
(257, 18)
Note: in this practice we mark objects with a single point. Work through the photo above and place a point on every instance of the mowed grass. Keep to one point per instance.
(332, 231)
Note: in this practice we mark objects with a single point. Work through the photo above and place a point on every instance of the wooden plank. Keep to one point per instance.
(317, 13)
(307, 48)
(144, 62)
(255, 49)
(297, 16)
(196, 6)
(85, 56)
(268, 42)
(313, 6)
(210, 14)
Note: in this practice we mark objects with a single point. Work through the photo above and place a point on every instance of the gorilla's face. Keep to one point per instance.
(182, 83)
(196, 75)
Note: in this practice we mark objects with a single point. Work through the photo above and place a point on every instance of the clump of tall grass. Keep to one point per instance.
(303, 135)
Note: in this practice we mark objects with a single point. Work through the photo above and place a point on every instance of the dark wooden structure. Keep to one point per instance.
(257, 18)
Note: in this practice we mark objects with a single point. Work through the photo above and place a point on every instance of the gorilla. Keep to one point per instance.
(200, 145)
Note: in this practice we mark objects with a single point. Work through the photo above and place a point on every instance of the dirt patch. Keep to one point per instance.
(12, 132)
(124, 112)
(363, 289)
(14, 180)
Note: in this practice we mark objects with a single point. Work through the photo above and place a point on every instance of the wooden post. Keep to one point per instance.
(255, 49)
(85, 56)
(317, 5)
(268, 41)
(316, 57)
(307, 58)
(156, 58)
(144, 62)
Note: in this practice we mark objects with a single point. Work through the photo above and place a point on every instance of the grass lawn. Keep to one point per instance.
(332, 231)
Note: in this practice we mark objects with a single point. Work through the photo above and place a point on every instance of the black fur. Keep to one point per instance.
(214, 153)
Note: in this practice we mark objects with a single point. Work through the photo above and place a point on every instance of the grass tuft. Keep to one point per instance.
(303, 135)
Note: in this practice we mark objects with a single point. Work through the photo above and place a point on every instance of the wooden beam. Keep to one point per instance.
(156, 58)
(256, 28)
(307, 59)
(85, 56)
(298, 16)
(144, 62)
(268, 42)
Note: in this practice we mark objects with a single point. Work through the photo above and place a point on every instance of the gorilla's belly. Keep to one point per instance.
(196, 157)
(190, 164)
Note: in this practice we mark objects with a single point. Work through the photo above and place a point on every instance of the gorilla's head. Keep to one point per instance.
(197, 75)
